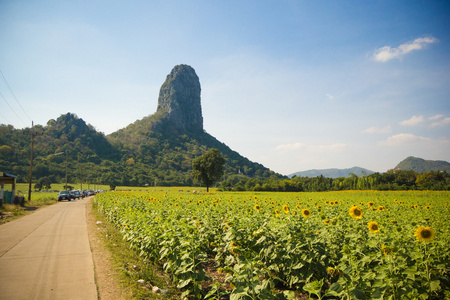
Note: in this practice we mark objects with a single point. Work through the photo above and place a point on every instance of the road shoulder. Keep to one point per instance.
(106, 276)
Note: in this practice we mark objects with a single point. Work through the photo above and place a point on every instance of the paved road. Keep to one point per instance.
(46, 255)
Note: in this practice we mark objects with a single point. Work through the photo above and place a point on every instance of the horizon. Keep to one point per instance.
(290, 174)
(291, 85)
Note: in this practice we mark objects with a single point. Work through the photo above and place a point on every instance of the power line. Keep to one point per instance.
(12, 109)
(10, 89)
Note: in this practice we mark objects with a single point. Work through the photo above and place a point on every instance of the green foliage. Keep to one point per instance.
(151, 151)
(391, 180)
(208, 168)
(43, 183)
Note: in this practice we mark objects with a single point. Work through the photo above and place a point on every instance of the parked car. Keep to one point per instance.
(72, 195)
(77, 194)
(64, 195)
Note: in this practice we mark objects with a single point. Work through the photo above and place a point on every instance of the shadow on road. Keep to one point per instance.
(30, 208)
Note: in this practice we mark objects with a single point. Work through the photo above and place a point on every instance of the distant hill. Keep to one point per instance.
(421, 165)
(333, 173)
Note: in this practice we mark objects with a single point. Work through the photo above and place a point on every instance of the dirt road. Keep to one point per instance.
(46, 255)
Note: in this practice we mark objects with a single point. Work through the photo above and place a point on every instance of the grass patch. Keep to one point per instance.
(133, 267)
(9, 212)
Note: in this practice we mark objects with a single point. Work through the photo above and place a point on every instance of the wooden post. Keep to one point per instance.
(32, 134)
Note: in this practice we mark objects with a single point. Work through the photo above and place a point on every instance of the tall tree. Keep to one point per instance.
(208, 168)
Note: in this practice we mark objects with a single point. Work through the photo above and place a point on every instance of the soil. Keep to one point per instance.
(106, 277)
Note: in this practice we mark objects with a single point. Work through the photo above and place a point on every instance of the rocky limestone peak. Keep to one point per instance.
(179, 97)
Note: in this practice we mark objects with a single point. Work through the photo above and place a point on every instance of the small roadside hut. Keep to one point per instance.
(7, 196)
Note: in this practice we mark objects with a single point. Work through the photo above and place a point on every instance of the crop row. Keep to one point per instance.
(350, 245)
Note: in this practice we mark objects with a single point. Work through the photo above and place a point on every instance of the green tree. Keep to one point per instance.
(43, 183)
(208, 168)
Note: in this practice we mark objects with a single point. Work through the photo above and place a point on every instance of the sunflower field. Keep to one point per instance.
(331, 245)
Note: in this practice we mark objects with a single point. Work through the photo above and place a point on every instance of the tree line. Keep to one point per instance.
(390, 180)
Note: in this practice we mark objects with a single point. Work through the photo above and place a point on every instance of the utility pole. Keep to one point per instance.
(32, 134)
(65, 155)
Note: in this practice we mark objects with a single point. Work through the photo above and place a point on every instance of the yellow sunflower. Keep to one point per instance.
(370, 203)
(373, 227)
(326, 222)
(235, 251)
(257, 207)
(425, 234)
(306, 213)
(277, 212)
(286, 209)
(355, 212)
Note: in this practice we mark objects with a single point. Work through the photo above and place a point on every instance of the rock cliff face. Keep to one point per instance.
(179, 97)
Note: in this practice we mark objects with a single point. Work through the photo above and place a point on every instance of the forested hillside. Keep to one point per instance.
(333, 173)
(88, 153)
(147, 152)
(421, 165)
(156, 150)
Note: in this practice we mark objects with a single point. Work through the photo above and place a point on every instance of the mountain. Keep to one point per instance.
(421, 165)
(172, 137)
(156, 150)
(78, 144)
(179, 97)
(333, 173)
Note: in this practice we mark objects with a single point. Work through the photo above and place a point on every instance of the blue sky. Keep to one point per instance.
(294, 85)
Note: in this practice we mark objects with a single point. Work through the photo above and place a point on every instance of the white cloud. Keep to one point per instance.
(376, 129)
(413, 121)
(387, 53)
(404, 138)
(439, 120)
(436, 117)
(443, 122)
(330, 97)
(290, 147)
